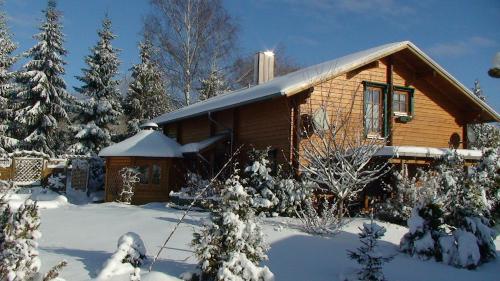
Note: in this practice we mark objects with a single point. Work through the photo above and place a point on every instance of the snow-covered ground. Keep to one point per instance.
(86, 236)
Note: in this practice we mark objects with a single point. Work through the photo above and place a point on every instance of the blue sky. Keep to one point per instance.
(461, 35)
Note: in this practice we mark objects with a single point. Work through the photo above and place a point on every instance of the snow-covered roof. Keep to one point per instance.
(426, 152)
(196, 147)
(146, 143)
(302, 79)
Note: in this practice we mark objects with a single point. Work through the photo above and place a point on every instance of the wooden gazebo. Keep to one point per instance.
(154, 155)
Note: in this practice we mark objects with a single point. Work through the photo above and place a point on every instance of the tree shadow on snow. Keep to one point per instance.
(307, 257)
(315, 258)
(186, 220)
(92, 260)
(171, 267)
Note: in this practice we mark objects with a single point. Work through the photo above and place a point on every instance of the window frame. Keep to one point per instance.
(382, 109)
(399, 112)
(410, 101)
(148, 164)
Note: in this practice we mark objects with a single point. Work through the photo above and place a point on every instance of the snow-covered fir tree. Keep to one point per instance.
(231, 245)
(483, 135)
(41, 101)
(368, 255)
(7, 85)
(146, 97)
(18, 244)
(100, 85)
(212, 85)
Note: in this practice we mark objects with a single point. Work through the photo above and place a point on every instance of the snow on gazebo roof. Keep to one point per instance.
(146, 143)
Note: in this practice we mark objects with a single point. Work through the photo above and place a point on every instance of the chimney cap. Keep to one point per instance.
(268, 53)
(149, 126)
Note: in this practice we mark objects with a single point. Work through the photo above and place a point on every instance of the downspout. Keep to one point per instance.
(390, 83)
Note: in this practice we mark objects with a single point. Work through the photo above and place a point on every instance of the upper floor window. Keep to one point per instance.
(400, 102)
(373, 110)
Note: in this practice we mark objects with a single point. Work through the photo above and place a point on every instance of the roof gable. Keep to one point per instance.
(295, 82)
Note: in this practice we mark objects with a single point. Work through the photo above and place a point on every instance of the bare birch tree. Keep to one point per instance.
(191, 35)
(337, 152)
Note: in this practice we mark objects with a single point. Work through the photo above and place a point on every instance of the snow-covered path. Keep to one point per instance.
(86, 236)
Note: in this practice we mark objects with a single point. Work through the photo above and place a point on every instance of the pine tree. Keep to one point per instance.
(483, 135)
(146, 97)
(367, 255)
(213, 85)
(42, 99)
(7, 87)
(232, 243)
(100, 85)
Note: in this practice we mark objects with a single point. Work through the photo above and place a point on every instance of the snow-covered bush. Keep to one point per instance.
(239, 267)
(292, 195)
(274, 194)
(232, 243)
(467, 244)
(259, 181)
(130, 254)
(19, 258)
(6, 186)
(324, 221)
(207, 192)
(485, 235)
(425, 228)
(368, 255)
(57, 182)
(404, 194)
(195, 183)
(487, 175)
(130, 178)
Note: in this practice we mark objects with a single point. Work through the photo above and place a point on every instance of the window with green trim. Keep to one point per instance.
(373, 110)
(400, 102)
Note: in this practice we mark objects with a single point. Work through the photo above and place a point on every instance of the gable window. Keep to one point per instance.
(373, 110)
(400, 102)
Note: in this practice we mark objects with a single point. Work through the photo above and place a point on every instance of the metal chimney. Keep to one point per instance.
(263, 70)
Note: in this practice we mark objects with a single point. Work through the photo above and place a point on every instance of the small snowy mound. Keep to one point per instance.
(47, 199)
(130, 254)
(158, 276)
(240, 268)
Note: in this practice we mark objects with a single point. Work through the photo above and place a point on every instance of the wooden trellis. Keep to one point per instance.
(28, 171)
(80, 174)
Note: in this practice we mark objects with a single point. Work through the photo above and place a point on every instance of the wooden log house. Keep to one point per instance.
(420, 108)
